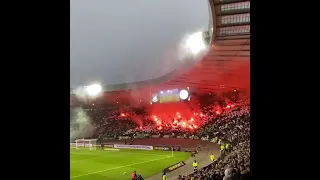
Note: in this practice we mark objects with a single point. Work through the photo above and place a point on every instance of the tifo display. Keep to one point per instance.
(173, 95)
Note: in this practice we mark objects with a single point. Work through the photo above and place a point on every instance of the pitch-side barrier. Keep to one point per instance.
(124, 146)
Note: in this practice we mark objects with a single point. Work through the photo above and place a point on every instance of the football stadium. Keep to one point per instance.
(193, 123)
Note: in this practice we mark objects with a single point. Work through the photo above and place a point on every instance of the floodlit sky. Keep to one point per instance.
(120, 41)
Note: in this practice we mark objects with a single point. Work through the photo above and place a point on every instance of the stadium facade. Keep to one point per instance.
(226, 64)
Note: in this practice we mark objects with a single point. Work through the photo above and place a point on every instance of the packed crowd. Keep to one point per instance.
(229, 125)
(232, 128)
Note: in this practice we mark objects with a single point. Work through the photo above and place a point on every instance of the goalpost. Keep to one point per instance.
(84, 144)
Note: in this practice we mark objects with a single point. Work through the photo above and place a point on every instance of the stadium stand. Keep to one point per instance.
(225, 69)
(232, 126)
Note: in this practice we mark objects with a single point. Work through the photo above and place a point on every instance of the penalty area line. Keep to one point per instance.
(95, 172)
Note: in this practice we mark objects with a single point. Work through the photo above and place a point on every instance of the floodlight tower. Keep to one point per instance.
(197, 43)
(93, 91)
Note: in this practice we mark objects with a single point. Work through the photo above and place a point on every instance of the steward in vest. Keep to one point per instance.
(195, 165)
(212, 158)
(164, 176)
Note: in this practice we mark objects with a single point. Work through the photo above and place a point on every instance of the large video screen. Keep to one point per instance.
(168, 96)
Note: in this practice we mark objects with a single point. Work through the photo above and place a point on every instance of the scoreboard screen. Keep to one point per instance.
(169, 98)
(174, 95)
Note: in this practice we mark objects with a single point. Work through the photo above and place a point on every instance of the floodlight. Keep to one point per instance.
(184, 94)
(155, 98)
(93, 89)
(195, 43)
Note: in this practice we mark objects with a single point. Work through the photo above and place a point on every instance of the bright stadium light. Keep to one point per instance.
(155, 98)
(195, 43)
(93, 89)
(184, 94)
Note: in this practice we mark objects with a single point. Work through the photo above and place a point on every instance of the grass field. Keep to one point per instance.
(110, 165)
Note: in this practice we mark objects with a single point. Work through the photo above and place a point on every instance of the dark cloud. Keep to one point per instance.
(125, 41)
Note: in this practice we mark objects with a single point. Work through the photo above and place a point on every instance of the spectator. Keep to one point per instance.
(230, 127)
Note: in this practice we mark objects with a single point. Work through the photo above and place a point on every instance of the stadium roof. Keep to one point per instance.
(225, 66)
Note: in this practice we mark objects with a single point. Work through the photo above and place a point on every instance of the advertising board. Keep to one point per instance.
(141, 147)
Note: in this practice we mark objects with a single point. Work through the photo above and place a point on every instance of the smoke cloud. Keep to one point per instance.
(80, 125)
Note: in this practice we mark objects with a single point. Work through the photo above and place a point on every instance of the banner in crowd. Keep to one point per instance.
(166, 136)
(124, 146)
(155, 136)
(163, 148)
(174, 167)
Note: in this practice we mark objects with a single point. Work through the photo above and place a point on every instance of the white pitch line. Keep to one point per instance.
(95, 172)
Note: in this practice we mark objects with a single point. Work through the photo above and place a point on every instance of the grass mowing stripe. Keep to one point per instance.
(85, 159)
(116, 152)
(95, 172)
(151, 154)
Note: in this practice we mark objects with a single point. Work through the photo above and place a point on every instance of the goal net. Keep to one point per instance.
(84, 144)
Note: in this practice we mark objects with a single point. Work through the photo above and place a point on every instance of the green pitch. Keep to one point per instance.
(111, 165)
